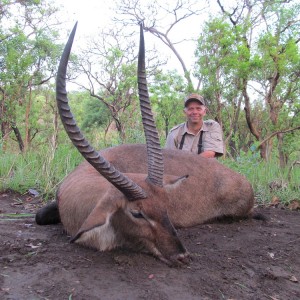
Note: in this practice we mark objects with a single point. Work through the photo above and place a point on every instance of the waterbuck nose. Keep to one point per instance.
(184, 258)
(181, 259)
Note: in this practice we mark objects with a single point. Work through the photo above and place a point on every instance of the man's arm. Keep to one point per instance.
(214, 145)
(170, 142)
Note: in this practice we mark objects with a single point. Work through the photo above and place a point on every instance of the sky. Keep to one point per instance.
(90, 14)
(93, 15)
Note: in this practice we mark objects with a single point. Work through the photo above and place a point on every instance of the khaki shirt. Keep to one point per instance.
(212, 139)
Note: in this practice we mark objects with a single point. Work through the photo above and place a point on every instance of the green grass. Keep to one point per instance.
(261, 174)
(43, 171)
(11, 216)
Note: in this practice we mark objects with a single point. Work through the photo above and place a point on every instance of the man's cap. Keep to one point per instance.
(194, 97)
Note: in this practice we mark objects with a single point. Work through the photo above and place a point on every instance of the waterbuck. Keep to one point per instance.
(135, 195)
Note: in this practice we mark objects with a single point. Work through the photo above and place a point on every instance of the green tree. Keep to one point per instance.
(250, 56)
(217, 64)
(96, 114)
(28, 56)
(167, 93)
(279, 58)
(109, 64)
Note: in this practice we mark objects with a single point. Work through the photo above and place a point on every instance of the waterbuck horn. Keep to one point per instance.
(129, 188)
(154, 152)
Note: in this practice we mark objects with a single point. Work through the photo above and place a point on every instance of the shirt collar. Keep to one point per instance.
(185, 128)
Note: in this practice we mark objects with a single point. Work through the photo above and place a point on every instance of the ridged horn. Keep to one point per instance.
(130, 189)
(154, 152)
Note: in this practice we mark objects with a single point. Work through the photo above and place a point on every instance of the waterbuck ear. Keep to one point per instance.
(99, 216)
(173, 183)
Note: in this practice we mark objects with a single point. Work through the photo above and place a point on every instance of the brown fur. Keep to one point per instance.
(211, 191)
(85, 199)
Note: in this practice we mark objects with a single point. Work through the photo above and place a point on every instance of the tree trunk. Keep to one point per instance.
(257, 133)
(166, 127)
(232, 148)
(18, 136)
(282, 158)
(232, 144)
(5, 127)
(5, 131)
(218, 96)
(27, 114)
(263, 151)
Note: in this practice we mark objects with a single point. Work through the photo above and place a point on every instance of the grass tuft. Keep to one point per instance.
(43, 171)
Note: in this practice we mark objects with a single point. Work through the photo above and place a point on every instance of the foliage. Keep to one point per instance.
(261, 174)
(249, 55)
(42, 170)
(116, 87)
(96, 114)
(167, 92)
(89, 112)
(28, 57)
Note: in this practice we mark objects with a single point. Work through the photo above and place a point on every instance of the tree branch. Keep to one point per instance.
(275, 133)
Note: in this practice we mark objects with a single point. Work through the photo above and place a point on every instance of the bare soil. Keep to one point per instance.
(250, 259)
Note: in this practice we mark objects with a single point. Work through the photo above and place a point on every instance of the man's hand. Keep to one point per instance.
(208, 154)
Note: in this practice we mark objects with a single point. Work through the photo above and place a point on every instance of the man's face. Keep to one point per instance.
(195, 112)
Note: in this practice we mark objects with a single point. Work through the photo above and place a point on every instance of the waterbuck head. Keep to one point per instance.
(111, 208)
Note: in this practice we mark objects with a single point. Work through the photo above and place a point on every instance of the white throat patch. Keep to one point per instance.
(102, 237)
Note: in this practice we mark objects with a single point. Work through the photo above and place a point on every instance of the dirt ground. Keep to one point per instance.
(250, 259)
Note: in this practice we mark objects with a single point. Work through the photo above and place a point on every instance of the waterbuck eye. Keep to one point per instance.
(137, 214)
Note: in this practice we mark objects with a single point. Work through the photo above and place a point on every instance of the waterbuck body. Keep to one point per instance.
(135, 195)
(210, 191)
